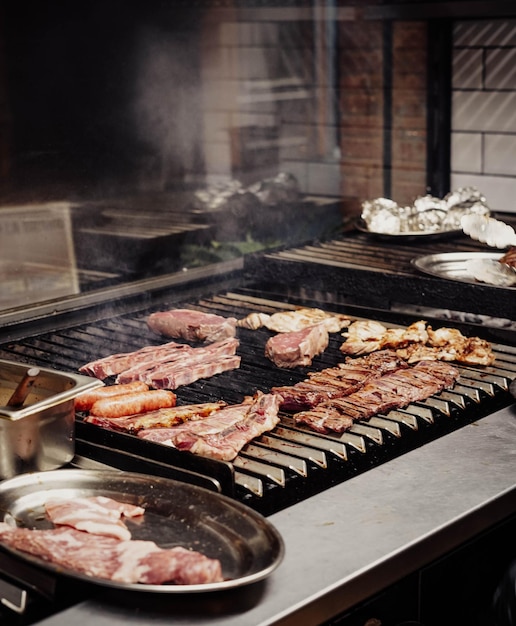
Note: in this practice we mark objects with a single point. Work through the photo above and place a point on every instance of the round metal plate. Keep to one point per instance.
(454, 266)
(176, 513)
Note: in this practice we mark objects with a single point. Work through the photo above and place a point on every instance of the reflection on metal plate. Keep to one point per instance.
(176, 513)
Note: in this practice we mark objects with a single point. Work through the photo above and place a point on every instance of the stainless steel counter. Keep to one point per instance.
(351, 541)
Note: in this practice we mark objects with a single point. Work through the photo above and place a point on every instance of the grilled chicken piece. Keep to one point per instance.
(417, 342)
(253, 321)
(297, 319)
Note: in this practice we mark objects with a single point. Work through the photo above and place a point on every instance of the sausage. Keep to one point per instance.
(85, 401)
(134, 403)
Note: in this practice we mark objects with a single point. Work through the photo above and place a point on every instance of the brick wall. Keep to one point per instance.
(316, 91)
(484, 110)
(331, 128)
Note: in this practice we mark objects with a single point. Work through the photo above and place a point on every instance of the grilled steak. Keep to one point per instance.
(223, 435)
(338, 381)
(395, 389)
(109, 558)
(192, 325)
(297, 348)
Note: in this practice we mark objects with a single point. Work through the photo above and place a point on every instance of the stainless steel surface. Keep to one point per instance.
(353, 540)
(455, 265)
(248, 546)
(39, 435)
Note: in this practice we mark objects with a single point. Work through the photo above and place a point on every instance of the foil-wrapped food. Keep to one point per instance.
(255, 212)
(271, 191)
(427, 215)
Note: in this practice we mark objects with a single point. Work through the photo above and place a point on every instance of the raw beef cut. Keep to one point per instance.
(192, 325)
(109, 558)
(98, 515)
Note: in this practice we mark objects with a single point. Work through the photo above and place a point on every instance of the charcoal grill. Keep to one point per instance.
(279, 471)
(290, 463)
(378, 272)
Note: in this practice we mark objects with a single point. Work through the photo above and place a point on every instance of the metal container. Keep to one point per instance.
(39, 435)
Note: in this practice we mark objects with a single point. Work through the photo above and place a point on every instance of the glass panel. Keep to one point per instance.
(182, 134)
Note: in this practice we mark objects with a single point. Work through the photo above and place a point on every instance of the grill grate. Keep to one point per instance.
(380, 273)
(290, 463)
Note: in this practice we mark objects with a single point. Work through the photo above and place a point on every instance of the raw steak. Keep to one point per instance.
(112, 559)
(297, 348)
(192, 325)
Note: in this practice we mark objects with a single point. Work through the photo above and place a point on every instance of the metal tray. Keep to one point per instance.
(361, 225)
(454, 266)
(248, 546)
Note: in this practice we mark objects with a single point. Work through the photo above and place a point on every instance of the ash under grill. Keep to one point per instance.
(290, 463)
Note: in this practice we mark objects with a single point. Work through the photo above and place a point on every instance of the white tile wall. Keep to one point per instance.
(499, 191)
(466, 152)
(484, 111)
(483, 142)
(500, 154)
(467, 68)
(500, 68)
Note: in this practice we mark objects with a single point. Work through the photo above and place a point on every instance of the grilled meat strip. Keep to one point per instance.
(162, 418)
(96, 514)
(395, 389)
(335, 382)
(168, 366)
(223, 435)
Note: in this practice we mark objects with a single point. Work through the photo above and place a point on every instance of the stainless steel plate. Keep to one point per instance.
(247, 545)
(454, 265)
(361, 225)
